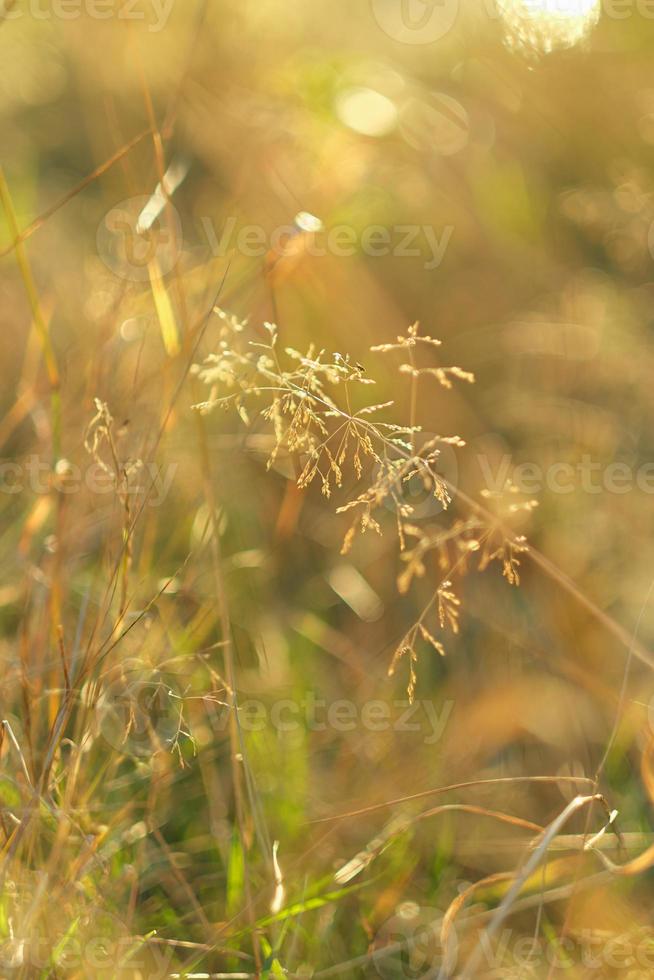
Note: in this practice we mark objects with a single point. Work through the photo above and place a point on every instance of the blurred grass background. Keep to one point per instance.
(540, 164)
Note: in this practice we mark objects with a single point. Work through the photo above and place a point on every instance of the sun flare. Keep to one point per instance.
(547, 25)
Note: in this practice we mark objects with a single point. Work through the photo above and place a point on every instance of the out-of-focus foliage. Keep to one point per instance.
(341, 175)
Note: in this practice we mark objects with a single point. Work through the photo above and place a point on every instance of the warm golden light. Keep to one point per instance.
(548, 25)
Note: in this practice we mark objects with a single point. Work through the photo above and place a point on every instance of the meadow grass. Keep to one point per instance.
(286, 690)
